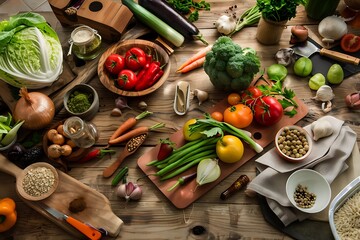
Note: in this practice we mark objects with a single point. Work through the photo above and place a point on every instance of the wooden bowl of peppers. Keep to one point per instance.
(133, 76)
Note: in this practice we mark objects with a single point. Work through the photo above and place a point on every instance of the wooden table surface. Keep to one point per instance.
(154, 217)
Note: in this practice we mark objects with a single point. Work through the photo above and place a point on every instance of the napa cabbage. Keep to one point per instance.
(30, 51)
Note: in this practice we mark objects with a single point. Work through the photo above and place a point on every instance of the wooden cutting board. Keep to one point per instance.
(183, 196)
(97, 213)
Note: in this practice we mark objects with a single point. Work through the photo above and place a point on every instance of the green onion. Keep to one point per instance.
(155, 23)
(248, 18)
(211, 127)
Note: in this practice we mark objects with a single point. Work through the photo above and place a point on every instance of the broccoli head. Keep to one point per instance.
(230, 67)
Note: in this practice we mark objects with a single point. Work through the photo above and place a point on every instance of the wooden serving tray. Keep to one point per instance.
(97, 213)
(183, 196)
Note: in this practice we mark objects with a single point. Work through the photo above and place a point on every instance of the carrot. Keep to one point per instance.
(196, 64)
(134, 132)
(195, 57)
(129, 123)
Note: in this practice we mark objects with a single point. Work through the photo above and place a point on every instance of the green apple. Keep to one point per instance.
(303, 67)
(277, 72)
(317, 81)
(335, 75)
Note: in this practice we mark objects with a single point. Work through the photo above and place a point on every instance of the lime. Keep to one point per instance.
(277, 72)
(303, 67)
(316, 81)
(335, 75)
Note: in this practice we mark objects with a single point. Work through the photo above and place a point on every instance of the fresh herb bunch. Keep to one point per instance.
(279, 10)
(189, 7)
(287, 101)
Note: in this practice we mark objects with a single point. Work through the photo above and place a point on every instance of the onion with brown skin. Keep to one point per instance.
(299, 34)
(36, 108)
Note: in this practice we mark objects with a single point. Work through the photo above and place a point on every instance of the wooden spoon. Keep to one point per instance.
(131, 146)
(10, 168)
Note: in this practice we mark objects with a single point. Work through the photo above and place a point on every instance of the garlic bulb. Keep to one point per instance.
(332, 28)
(225, 24)
(285, 56)
(321, 128)
(201, 95)
(324, 94)
(129, 191)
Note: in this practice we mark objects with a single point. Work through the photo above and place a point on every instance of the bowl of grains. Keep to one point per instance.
(308, 191)
(293, 143)
(344, 212)
(37, 181)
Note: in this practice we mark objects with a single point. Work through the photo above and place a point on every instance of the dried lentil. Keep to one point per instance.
(293, 143)
(38, 181)
(135, 142)
(303, 197)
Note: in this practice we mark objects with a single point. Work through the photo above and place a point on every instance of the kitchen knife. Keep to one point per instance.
(87, 230)
(308, 48)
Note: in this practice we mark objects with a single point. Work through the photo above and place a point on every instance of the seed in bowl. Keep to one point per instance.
(293, 143)
(303, 197)
(38, 181)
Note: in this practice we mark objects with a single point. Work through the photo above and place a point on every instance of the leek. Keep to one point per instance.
(155, 23)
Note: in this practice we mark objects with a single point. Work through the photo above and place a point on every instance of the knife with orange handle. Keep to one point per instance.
(90, 232)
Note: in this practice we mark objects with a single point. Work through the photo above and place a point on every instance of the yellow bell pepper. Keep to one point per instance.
(8, 214)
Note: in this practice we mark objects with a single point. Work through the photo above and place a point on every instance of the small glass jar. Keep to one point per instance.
(85, 43)
(83, 134)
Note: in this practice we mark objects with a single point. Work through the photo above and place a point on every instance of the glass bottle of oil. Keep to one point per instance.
(85, 43)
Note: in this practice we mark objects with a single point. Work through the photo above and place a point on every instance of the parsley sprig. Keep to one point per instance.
(279, 10)
(287, 101)
(189, 7)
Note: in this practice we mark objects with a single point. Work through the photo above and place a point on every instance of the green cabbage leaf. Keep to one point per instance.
(30, 51)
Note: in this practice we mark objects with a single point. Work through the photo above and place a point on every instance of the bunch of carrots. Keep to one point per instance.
(126, 131)
(196, 61)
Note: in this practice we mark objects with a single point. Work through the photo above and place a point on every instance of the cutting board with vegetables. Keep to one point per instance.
(183, 196)
(97, 211)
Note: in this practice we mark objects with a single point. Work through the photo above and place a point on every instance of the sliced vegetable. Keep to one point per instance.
(155, 23)
(208, 171)
(163, 10)
(8, 129)
(350, 43)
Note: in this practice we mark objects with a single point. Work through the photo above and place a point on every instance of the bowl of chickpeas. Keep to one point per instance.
(293, 143)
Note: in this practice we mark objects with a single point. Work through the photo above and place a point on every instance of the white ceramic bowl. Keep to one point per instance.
(315, 183)
(347, 192)
(283, 155)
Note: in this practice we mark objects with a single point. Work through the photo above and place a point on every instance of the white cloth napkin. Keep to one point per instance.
(327, 157)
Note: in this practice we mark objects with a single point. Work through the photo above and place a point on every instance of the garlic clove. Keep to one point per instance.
(202, 96)
(116, 112)
(324, 94)
(142, 105)
(321, 128)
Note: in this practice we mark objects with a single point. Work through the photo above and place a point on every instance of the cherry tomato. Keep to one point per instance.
(218, 116)
(249, 95)
(350, 43)
(135, 58)
(239, 115)
(114, 63)
(126, 80)
(233, 98)
(267, 111)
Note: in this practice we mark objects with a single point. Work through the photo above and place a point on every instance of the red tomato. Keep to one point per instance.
(239, 115)
(135, 58)
(267, 111)
(350, 43)
(249, 95)
(114, 63)
(126, 80)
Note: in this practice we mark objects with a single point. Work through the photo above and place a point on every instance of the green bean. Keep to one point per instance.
(186, 167)
(121, 174)
(196, 151)
(183, 161)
